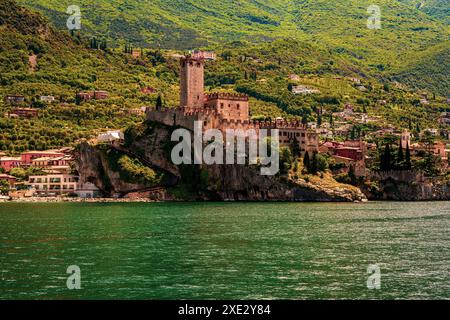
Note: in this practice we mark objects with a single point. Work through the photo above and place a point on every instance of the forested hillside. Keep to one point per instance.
(340, 26)
(69, 63)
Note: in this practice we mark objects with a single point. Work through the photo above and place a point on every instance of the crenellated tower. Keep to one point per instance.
(192, 83)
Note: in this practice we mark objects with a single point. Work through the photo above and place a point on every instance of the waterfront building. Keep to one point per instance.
(54, 184)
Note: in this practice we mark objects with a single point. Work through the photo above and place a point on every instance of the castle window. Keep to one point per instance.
(198, 65)
(205, 123)
(285, 134)
(303, 134)
(221, 105)
(238, 106)
(298, 134)
(198, 97)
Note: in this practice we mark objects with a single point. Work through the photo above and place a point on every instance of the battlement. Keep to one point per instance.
(226, 96)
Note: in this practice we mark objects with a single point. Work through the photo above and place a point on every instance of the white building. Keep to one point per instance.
(111, 136)
(54, 184)
(304, 90)
(87, 190)
(47, 99)
(62, 184)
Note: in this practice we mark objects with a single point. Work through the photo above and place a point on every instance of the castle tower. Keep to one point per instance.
(192, 83)
(406, 139)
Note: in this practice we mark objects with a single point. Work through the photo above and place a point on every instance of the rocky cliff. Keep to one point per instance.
(408, 186)
(151, 144)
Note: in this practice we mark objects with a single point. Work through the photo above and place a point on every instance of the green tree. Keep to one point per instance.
(159, 102)
(385, 161)
(400, 156)
(286, 160)
(4, 187)
(295, 147)
(306, 162)
(304, 119)
(19, 173)
(314, 167)
(408, 164)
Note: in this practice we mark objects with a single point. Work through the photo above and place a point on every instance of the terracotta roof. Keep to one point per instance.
(10, 159)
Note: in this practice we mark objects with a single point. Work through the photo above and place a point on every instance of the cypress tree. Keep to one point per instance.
(400, 157)
(408, 158)
(353, 133)
(306, 162)
(295, 147)
(319, 120)
(387, 158)
(305, 120)
(159, 102)
(314, 163)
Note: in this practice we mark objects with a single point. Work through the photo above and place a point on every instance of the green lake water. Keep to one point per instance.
(225, 250)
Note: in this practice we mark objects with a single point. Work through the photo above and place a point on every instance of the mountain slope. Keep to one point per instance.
(430, 72)
(193, 23)
(439, 9)
(65, 66)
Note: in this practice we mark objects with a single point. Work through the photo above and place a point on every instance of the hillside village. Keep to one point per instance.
(338, 118)
(351, 144)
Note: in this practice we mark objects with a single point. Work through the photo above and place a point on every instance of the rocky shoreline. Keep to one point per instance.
(74, 200)
(134, 200)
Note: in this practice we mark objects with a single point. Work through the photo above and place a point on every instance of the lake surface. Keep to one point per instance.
(225, 250)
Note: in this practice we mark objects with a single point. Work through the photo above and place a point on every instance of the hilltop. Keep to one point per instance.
(408, 29)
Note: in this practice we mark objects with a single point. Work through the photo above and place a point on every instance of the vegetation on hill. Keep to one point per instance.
(436, 8)
(67, 64)
(407, 28)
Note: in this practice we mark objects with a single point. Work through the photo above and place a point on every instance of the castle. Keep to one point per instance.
(224, 111)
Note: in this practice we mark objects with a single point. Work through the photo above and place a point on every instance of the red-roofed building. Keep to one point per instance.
(24, 112)
(10, 179)
(7, 163)
(28, 157)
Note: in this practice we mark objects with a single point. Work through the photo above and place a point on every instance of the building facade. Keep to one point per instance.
(223, 110)
(58, 184)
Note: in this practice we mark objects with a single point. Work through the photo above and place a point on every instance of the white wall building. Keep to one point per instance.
(111, 136)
